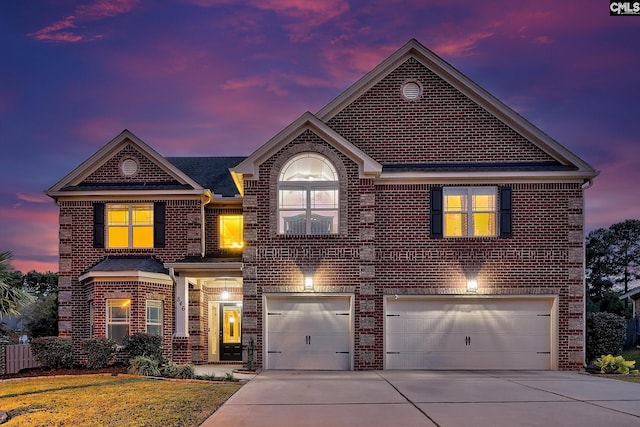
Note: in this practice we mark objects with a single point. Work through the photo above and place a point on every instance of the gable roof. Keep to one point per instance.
(249, 168)
(414, 49)
(184, 184)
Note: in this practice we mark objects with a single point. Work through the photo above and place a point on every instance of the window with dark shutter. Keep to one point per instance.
(505, 212)
(436, 212)
(98, 225)
(159, 220)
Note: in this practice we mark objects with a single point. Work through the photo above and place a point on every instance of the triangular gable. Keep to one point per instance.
(414, 49)
(112, 148)
(248, 169)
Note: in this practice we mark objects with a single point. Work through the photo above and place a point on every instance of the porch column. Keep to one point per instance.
(182, 307)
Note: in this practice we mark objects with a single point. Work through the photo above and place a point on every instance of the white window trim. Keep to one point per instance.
(469, 210)
(159, 323)
(108, 320)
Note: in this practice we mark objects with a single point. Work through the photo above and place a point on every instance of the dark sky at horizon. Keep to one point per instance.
(221, 77)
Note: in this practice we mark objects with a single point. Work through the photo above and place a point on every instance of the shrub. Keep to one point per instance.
(173, 370)
(99, 352)
(616, 365)
(145, 366)
(140, 344)
(53, 352)
(606, 333)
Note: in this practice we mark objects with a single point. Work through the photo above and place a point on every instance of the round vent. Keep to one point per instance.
(411, 90)
(129, 167)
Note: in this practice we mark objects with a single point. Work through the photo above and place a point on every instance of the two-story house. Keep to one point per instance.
(415, 222)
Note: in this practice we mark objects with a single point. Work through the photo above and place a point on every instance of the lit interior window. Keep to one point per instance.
(118, 318)
(469, 211)
(231, 231)
(130, 226)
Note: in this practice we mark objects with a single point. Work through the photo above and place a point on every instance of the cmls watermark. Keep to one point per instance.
(624, 8)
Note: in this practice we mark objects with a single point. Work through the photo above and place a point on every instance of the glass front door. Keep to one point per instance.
(230, 332)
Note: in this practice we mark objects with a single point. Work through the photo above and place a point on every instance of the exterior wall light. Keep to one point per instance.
(472, 284)
(308, 283)
(224, 295)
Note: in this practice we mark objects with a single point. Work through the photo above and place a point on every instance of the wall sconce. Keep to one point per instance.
(472, 284)
(308, 283)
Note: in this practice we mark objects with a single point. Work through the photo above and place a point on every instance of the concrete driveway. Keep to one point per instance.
(431, 398)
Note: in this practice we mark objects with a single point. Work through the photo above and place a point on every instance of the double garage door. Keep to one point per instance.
(308, 333)
(468, 333)
(315, 332)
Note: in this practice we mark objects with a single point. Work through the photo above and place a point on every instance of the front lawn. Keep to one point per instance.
(105, 400)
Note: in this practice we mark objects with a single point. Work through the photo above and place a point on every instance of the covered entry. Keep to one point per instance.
(470, 333)
(308, 332)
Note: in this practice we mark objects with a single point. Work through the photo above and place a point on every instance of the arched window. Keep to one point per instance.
(308, 195)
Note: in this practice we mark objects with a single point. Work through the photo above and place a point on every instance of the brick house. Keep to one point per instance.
(415, 222)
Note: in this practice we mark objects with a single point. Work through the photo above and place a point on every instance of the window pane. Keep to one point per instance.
(324, 222)
(231, 230)
(154, 317)
(118, 310)
(118, 237)
(324, 199)
(308, 167)
(293, 222)
(117, 215)
(142, 237)
(455, 224)
(117, 332)
(142, 214)
(455, 202)
(484, 202)
(154, 329)
(293, 199)
(484, 224)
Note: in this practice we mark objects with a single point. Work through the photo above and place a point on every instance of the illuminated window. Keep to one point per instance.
(308, 196)
(118, 318)
(469, 211)
(231, 229)
(130, 225)
(154, 317)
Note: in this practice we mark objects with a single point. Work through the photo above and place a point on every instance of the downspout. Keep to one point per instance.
(205, 198)
(585, 186)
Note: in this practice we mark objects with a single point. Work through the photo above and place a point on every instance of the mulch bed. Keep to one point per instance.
(45, 372)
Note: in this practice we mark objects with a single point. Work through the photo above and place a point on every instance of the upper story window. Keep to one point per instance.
(469, 211)
(308, 196)
(231, 229)
(482, 211)
(130, 225)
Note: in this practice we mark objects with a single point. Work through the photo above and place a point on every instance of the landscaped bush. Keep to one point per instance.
(53, 352)
(99, 352)
(609, 364)
(173, 370)
(606, 333)
(144, 366)
(140, 344)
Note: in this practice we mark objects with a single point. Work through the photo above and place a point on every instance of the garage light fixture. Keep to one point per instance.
(472, 284)
(308, 283)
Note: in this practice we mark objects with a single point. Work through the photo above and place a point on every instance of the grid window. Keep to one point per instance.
(154, 317)
(470, 211)
(130, 225)
(118, 319)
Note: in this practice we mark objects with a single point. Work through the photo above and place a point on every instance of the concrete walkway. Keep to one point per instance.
(430, 398)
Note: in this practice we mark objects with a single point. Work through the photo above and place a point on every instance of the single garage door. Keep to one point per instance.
(468, 333)
(308, 333)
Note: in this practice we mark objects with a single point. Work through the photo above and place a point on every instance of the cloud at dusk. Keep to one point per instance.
(221, 77)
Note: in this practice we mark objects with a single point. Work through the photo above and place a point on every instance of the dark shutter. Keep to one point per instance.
(436, 212)
(98, 225)
(505, 211)
(159, 219)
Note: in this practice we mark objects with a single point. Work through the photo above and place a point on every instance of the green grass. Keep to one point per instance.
(105, 400)
(633, 354)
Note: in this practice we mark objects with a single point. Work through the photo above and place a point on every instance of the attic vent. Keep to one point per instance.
(411, 90)
(129, 167)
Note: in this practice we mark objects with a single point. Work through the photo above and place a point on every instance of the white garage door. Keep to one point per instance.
(308, 333)
(466, 333)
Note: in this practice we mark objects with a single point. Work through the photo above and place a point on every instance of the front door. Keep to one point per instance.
(230, 332)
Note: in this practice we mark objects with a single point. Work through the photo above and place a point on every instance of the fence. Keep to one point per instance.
(17, 357)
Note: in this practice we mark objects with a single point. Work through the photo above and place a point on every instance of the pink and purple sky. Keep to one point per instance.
(221, 77)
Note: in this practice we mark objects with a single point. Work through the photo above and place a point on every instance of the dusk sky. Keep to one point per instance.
(221, 77)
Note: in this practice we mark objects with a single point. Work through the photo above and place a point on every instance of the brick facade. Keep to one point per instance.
(389, 152)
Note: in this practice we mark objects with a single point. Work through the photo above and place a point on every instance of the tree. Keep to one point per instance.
(613, 263)
(12, 298)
